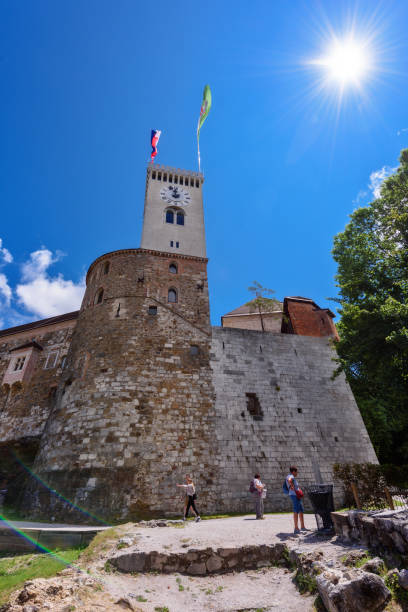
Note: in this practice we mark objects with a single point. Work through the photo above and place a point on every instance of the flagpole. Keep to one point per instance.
(198, 145)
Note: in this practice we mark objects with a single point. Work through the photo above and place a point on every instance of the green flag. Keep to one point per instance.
(205, 108)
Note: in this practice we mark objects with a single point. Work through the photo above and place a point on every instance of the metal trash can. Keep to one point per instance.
(321, 497)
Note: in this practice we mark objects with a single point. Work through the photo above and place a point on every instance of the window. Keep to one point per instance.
(191, 182)
(19, 364)
(173, 268)
(51, 360)
(172, 296)
(169, 216)
(153, 175)
(99, 297)
(159, 176)
(177, 245)
(63, 362)
(164, 177)
(194, 350)
(254, 407)
(152, 310)
(171, 243)
(181, 180)
(170, 178)
(197, 183)
(180, 218)
(106, 268)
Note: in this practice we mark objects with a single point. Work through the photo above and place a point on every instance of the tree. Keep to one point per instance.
(372, 276)
(260, 302)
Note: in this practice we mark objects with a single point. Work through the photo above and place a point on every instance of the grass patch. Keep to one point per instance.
(305, 583)
(399, 594)
(99, 543)
(141, 598)
(161, 609)
(16, 570)
(360, 562)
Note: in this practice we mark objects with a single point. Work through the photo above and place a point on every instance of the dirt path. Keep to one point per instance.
(266, 589)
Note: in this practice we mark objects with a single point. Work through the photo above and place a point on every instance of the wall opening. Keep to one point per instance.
(254, 407)
(99, 297)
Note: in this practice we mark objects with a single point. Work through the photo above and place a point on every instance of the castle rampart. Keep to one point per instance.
(277, 404)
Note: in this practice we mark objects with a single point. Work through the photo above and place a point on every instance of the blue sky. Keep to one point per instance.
(285, 163)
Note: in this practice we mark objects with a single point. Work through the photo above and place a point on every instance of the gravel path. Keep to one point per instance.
(231, 532)
(269, 589)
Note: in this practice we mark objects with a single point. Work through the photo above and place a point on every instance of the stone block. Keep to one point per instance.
(366, 593)
(197, 569)
(214, 564)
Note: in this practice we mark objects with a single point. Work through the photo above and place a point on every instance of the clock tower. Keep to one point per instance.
(173, 220)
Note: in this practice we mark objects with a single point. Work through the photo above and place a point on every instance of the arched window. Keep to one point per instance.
(180, 218)
(173, 268)
(99, 297)
(169, 216)
(172, 296)
(106, 268)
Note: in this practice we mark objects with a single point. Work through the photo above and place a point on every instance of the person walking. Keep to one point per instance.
(257, 489)
(191, 497)
(296, 494)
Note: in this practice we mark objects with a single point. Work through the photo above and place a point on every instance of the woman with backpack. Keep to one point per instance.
(291, 488)
(191, 497)
(257, 489)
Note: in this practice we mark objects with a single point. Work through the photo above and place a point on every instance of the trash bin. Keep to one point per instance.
(321, 497)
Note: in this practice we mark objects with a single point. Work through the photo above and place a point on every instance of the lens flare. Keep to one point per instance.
(70, 504)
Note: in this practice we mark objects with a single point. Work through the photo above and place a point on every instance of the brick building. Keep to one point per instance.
(110, 406)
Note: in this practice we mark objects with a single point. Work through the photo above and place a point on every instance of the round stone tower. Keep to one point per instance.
(135, 409)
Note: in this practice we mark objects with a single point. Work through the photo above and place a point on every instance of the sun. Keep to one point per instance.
(347, 61)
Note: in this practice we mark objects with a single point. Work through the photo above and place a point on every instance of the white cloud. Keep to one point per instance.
(37, 264)
(377, 177)
(5, 290)
(5, 254)
(401, 131)
(46, 295)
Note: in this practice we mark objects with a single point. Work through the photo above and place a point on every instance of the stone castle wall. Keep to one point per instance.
(272, 321)
(135, 410)
(306, 419)
(25, 406)
(150, 392)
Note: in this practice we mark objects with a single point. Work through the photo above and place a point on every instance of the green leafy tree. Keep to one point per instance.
(372, 276)
(260, 303)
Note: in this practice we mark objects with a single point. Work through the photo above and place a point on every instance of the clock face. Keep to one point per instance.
(173, 194)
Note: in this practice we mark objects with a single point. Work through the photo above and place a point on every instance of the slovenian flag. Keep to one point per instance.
(155, 140)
